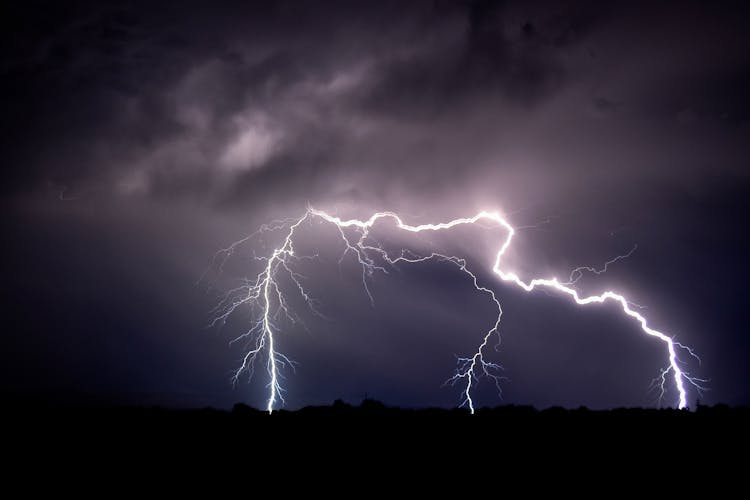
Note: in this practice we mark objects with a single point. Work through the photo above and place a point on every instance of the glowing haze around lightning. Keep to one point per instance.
(265, 294)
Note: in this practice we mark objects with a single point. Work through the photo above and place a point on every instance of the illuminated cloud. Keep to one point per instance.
(253, 145)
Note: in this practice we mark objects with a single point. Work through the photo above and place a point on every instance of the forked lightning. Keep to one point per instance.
(265, 297)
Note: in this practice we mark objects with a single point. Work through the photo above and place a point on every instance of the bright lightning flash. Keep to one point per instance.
(264, 296)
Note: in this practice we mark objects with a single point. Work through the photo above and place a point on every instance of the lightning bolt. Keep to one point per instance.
(264, 296)
(577, 273)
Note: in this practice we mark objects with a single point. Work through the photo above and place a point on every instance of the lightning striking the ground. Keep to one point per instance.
(268, 303)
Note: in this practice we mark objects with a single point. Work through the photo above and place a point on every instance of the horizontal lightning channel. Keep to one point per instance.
(265, 287)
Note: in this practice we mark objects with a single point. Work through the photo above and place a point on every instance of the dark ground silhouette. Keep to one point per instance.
(372, 417)
(370, 443)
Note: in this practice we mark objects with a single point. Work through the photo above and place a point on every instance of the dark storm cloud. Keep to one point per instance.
(161, 97)
(137, 138)
(301, 99)
(485, 56)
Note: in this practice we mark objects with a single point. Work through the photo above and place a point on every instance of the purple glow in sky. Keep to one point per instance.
(138, 139)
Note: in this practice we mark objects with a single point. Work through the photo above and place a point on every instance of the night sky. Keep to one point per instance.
(140, 138)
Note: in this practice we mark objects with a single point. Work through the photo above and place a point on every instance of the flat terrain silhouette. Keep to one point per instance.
(368, 438)
(373, 416)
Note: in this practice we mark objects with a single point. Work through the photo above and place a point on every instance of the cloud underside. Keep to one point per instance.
(378, 103)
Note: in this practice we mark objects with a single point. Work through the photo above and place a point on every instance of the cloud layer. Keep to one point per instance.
(137, 136)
